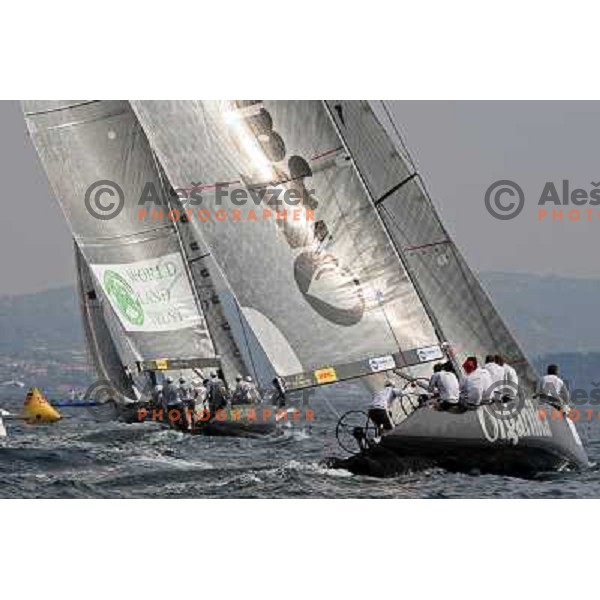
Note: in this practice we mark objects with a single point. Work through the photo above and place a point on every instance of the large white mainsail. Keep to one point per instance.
(324, 294)
(140, 274)
(452, 294)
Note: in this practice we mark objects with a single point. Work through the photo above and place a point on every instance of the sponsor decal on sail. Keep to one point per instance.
(382, 363)
(430, 353)
(327, 375)
(150, 295)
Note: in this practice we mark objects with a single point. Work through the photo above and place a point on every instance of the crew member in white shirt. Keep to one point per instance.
(511, 379)
(497, 374)
(475, 386)
(443, 385)
(381, 405)
(553, 386)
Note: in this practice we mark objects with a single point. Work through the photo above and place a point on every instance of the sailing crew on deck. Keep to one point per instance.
(204, 394)
(511, 379)
(444, 385)
(169, 392)
(497, 374)
(380, 411)
(254, 396)
(187, 402)
(197, 398)
(157, 395)
(241, 392)
(171, 398)
(280, 391)
(217, 394)
(553, 387)
(475, 385)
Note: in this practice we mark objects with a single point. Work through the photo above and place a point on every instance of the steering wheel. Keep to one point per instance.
(355, 427)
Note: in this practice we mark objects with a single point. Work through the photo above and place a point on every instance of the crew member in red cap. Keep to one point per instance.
(476, 383)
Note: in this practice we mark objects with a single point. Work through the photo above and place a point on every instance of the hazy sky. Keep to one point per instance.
(459, 147)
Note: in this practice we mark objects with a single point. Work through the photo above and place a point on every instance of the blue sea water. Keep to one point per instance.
(83, 457)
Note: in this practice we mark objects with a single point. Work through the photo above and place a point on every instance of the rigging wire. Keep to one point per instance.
(469, 285)
(246, 341)
(399, 137)
(377, 215)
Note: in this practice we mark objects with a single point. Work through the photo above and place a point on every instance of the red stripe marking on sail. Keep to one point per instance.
(207, 186)
(409, 249)
(327, 153)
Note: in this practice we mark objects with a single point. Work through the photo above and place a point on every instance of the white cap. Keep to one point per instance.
(169, 379)
(249, 379)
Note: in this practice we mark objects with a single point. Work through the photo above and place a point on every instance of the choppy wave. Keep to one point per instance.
(80, 458)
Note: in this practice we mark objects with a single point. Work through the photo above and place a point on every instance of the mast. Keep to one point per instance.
(165, 189)
(229, 354)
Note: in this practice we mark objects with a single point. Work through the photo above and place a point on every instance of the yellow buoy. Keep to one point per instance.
(37, 409)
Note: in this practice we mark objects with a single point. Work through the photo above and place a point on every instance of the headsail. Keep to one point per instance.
(322, 289)
(102, 349)
(454, 297)
(97, 159)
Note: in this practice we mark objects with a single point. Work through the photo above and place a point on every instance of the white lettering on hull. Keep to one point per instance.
(527, 424)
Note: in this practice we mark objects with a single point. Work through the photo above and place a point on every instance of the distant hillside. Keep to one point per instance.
(47, 319)
(548, 314)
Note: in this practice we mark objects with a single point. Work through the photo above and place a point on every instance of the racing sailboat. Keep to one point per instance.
(313, 256)
(149, 305)
(357, 278)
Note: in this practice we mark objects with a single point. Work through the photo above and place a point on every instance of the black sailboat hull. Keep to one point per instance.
(235, 429)
(502, 439)
(226, 425)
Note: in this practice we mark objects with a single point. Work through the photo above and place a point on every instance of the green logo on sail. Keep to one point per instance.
(124, 296)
